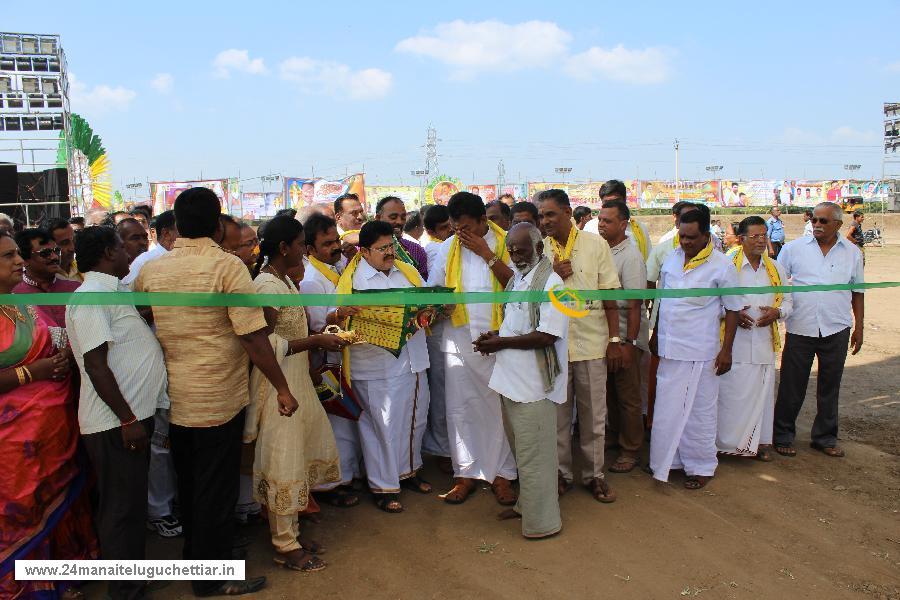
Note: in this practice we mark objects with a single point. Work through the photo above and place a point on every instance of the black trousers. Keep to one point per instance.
(122, 509)
(207, 469)
(776, 248)
(796, 363)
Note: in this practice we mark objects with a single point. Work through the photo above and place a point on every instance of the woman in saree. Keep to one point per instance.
(293, 454)
(44, 505)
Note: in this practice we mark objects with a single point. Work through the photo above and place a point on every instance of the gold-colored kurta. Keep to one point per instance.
(297, 453)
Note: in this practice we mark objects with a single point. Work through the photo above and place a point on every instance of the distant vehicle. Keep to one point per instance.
(872, 237)
(851, 203)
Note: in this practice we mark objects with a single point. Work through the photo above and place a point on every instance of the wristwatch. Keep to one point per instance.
(493, 261)
(629, 341)
(615, 340)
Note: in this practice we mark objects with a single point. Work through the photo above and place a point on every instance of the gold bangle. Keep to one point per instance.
(21, 375)
(28, 374)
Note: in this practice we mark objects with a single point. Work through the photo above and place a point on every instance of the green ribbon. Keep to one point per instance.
(400, 298)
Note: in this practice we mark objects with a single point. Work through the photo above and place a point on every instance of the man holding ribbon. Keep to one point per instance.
(393, 390)
(321, 274)
(584, 261)
(747, 391)
(474, 259)
(691, 354)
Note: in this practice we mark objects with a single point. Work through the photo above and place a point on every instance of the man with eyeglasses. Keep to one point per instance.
(247, 251)
(820, 326)
(747, 392)
(42, 272)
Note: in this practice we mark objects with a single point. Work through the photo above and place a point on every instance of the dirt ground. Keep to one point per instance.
(808, 527)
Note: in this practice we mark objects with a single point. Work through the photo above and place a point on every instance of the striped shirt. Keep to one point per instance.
(134, 356)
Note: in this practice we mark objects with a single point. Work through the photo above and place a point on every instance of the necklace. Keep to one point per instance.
(275, 271)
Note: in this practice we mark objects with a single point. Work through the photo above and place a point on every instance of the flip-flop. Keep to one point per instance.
(311, 565)
(786, 451)
(832, 451)
(416, 484)
(696, 482)
(623, 466)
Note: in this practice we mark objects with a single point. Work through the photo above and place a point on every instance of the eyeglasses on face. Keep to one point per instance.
(47, 252)
(384, 249)
(756, 237)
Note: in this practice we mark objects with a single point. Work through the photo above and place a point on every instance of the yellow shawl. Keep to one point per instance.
(564, 253)
(774, 279)
(701, 257)
(453, 279)
(345, 286)
(639, 238)
(324, 269)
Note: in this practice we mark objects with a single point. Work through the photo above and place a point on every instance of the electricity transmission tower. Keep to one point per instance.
(431, 155)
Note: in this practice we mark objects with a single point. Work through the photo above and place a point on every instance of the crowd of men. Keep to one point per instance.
(522, 397)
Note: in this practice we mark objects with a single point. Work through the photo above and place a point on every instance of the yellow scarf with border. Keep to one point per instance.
(639, 238)
(453, 278)
(775, 280)
(564, 253)
(701, 257)
(324, 269)
(345, 286)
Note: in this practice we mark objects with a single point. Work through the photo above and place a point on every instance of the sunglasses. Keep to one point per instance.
(48, 252)
(820, 221)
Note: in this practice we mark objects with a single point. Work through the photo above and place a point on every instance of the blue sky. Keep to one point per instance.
(767, 89)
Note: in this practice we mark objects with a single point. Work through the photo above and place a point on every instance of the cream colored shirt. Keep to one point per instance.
(208, 368)
(593, 269)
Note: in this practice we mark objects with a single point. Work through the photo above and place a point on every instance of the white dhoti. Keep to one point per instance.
(161, 475)
(478, 445)
(684, 419)
(391, 428)
(746, 408)
(436, 441)
(346, 438)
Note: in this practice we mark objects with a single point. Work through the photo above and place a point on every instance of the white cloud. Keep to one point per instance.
(472, 47)
(844, 134)
(645, 66)
(100, 98)
(163, 83)
(335, 79)
(849, 135)
(232, 59)
(893, 67)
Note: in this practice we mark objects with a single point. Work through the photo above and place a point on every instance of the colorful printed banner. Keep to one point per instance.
(163, 193)
(439, 190)
(305, 191)
(410, 194)
(260, 205)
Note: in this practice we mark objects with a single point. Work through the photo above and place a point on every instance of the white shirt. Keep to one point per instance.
(476, 277)
(754, 346)
(432, 247)
(372, 362)
(821, 313)
(516, 374)
(807, 229)
(667, 236)
(689, 327)
(315, 283)
(134, 356)
(152, 254)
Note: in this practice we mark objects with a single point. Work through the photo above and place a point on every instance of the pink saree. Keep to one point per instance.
(44, 510)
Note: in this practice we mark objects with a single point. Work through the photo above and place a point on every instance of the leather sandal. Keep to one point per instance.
(562, 486)
(504, 492)
(462, 488)
(601, 491)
